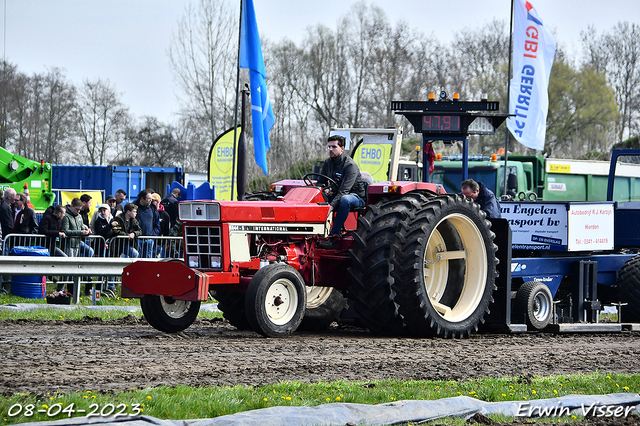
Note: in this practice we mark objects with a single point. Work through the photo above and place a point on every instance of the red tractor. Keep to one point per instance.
(415, 261)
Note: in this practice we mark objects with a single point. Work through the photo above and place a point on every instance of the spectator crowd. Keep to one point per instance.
(67, 230)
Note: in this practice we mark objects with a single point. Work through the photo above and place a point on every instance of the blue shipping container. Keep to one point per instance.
(111, 178)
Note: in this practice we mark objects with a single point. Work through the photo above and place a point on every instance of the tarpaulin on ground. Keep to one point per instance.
(612, 405)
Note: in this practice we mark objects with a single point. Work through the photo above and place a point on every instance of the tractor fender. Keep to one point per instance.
(164, 278)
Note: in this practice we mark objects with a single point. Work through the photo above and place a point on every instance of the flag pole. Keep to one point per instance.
(235, 111)
(506, 130)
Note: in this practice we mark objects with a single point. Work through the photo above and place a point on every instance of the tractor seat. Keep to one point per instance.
(360, 210)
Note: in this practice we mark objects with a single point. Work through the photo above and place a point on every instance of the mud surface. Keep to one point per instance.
(49, 356)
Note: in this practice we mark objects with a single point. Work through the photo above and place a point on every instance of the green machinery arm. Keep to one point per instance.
(16, 171)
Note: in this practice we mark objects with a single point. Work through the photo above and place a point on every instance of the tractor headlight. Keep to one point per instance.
(216, 262)
(199, 211)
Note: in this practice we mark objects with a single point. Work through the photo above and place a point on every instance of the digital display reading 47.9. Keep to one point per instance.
(439, 123)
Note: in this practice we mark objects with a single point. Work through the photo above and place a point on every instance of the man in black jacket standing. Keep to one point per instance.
(51, 226)
(6, 211)
(149, 221)
(483, 196)
(6, 217)
(25, 216)
(351, 190)
(170, 203)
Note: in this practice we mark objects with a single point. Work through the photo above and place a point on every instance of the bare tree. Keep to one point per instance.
(430, 71)
(479, 55)
(393, 64)
(30, 111)
(36, 113)
(618, 54)
(293, 135)
(59, 103)
(315, 86)
(9, 82)
(154, 144)
(100, 120)
(203, 57)
(366, 26)
(192, 137)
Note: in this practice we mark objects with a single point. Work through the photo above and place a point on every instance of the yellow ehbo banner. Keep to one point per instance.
(96, 199)
(373, 154)
(221, 160)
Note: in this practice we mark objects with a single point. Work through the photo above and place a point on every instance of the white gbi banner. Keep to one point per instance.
(533, 50)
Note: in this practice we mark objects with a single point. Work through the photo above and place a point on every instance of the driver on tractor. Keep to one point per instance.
(349, 192)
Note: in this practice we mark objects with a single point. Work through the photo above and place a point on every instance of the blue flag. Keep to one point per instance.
(251, 57)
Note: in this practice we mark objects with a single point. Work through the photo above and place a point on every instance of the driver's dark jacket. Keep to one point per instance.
(346, 173)
(488, 202)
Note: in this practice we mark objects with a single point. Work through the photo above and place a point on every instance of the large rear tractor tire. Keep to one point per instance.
(167, 314)
(275, 300)
(444, 268)
(374, 238)
(324, 305)
(535, 301)
(231, 304)
(629, 289)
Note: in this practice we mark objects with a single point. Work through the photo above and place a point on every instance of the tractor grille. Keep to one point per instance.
(203, 246)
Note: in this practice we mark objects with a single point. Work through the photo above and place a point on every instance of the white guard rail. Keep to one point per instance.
(72, 266)
(108, 260)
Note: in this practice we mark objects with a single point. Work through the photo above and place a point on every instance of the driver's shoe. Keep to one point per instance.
(329, 243)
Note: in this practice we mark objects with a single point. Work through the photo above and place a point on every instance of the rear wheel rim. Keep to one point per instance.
(317, 296)
(281, 301)
(436, 266)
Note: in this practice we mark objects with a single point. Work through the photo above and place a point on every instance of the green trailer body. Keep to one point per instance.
(549, 179)
(575, 180)
(17, 171)
(530, 177)
(491, 173)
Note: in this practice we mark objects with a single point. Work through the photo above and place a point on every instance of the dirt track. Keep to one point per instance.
(68, 356)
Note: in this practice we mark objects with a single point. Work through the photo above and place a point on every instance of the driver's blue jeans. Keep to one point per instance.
(347, 203)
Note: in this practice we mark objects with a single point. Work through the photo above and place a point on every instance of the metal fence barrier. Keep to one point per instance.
(94, 254)
(91, 245)
(145, 247)
(96, 246)
(75, 267)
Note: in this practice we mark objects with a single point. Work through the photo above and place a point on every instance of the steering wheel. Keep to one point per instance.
(307, 180)
(332, 184)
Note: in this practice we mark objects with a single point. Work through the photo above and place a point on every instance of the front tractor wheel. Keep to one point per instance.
(167, 314)
(444, 269)
(275, 300)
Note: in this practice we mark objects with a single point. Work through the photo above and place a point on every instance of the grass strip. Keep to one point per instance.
(79, 311)
(183, 402)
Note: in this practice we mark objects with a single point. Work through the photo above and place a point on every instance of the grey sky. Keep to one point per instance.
(126, 41)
